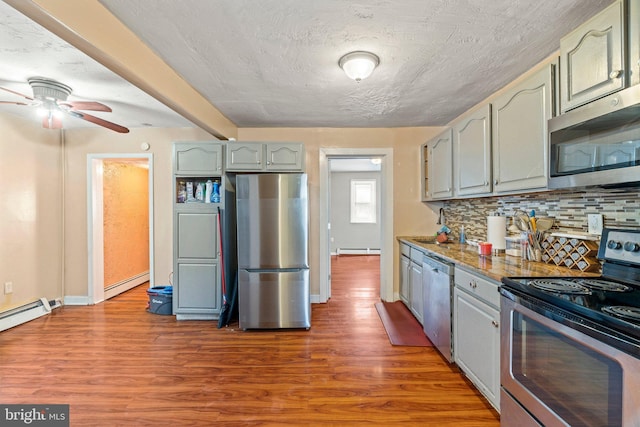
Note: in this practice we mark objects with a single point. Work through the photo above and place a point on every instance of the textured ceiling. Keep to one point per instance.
(28, 50)
(273, 63)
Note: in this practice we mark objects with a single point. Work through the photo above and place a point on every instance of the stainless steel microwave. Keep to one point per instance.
(597, 144)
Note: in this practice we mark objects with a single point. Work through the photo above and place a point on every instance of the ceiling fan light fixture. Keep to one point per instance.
(359, 65)
(46, 89)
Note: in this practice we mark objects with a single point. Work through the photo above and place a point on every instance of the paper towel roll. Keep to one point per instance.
(497, 231)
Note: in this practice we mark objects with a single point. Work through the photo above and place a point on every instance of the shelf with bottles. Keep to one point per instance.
(198, 190)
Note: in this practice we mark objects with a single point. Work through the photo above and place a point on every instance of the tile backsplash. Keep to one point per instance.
(620, 208)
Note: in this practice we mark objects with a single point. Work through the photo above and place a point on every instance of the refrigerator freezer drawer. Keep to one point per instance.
(274, 299)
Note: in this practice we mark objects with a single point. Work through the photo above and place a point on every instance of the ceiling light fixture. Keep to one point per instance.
(359, 65)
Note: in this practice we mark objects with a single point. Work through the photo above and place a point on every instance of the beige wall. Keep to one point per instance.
(31, 165)
(30, 212)
(81, 142)
(411, 216)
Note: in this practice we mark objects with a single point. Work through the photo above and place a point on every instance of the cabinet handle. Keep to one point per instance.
(495, 182)
(494, 323)
(615, 74)
(473, 284)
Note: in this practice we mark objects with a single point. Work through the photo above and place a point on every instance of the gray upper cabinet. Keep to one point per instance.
(440, 154)
(633, 42)
(472, 153)
(592, 58)
(265, 156)
(197, 158)
(519, 134)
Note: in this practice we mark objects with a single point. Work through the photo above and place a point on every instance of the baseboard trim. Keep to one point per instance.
(24, 314)
(76, 300)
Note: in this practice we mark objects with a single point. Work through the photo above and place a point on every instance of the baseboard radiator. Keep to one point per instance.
(357, 251)
(19, 315)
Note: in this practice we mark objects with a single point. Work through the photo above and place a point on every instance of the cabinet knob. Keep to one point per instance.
(473, 284)
(495, 323)
(495, 182)
(615, 74)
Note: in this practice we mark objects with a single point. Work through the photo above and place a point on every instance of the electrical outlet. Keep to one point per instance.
(8, 288)
(594, 222)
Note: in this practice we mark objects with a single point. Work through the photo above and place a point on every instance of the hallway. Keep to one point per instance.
(117, 365)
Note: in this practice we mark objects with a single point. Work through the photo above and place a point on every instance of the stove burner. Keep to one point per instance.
(624, 312)
(560, 286)
(604, 285)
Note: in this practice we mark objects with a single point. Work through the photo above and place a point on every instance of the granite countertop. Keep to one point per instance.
(492, 266)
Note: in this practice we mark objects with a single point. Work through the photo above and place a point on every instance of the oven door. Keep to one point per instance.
(562, 376)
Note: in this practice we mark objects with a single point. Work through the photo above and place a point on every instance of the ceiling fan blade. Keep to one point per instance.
(13, 103)
(98, 121)
(50, 121)
(86, 105)
(17, 93)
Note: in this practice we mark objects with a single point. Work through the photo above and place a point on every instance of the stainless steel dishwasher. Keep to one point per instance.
(437, 281)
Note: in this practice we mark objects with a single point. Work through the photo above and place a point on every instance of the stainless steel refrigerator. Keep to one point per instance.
(273, 259)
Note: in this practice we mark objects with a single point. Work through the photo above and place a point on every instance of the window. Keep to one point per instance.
(363, 201)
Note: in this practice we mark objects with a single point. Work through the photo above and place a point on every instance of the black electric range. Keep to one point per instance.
(611, 300)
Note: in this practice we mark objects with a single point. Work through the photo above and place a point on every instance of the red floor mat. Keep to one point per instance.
(402, 328)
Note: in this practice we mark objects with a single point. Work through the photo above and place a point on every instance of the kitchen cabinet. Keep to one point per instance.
(197, 292)
(265, 157)
(197, 158)
(476, 335)
(519, 133)
(425, 194)
(440, 157)
(472, 153)
(415, 280)
(592, 58)
(405, 263)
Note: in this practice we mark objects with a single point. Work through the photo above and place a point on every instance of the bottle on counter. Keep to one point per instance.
(463, 237)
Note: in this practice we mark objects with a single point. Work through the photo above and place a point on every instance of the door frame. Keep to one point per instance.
(95, 226)
(386, 216)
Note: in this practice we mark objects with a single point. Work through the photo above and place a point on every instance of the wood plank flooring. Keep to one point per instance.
(117, 365)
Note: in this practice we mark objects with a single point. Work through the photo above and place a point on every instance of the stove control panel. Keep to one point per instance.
(620, 245)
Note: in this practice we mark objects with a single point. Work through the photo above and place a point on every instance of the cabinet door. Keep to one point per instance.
(197, 158)
(425, 189)
(197, 289)
(592, 58)
(404, 280)
(197, 235)
(440, 166)
(477, 344)
(472, 153)
(416, 290)
(519, 134)
(285, 157)
(245, 156)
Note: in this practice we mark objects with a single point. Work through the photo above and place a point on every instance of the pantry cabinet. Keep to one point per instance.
(519, 133)
(476, 336)
(440, 155)
(472, 153)
(265, 157)
(592, 58)
(197, 292)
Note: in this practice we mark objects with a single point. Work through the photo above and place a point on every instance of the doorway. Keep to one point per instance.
(386, 216)
(120, 223)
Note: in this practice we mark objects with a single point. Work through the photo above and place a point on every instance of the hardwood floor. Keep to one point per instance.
(117, 365)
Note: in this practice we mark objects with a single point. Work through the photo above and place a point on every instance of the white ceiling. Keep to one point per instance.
(273, 63)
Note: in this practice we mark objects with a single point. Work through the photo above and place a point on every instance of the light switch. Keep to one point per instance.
(594, 222)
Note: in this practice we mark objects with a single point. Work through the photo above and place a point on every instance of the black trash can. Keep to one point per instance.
(160, 300)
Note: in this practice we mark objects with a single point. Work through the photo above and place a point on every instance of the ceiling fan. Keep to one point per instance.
(50, 97)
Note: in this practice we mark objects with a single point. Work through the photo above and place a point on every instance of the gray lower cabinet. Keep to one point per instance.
(411, 279)
(265, 157)
(405, 263)
(197, 292)
(476, 336)
(417, 302)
